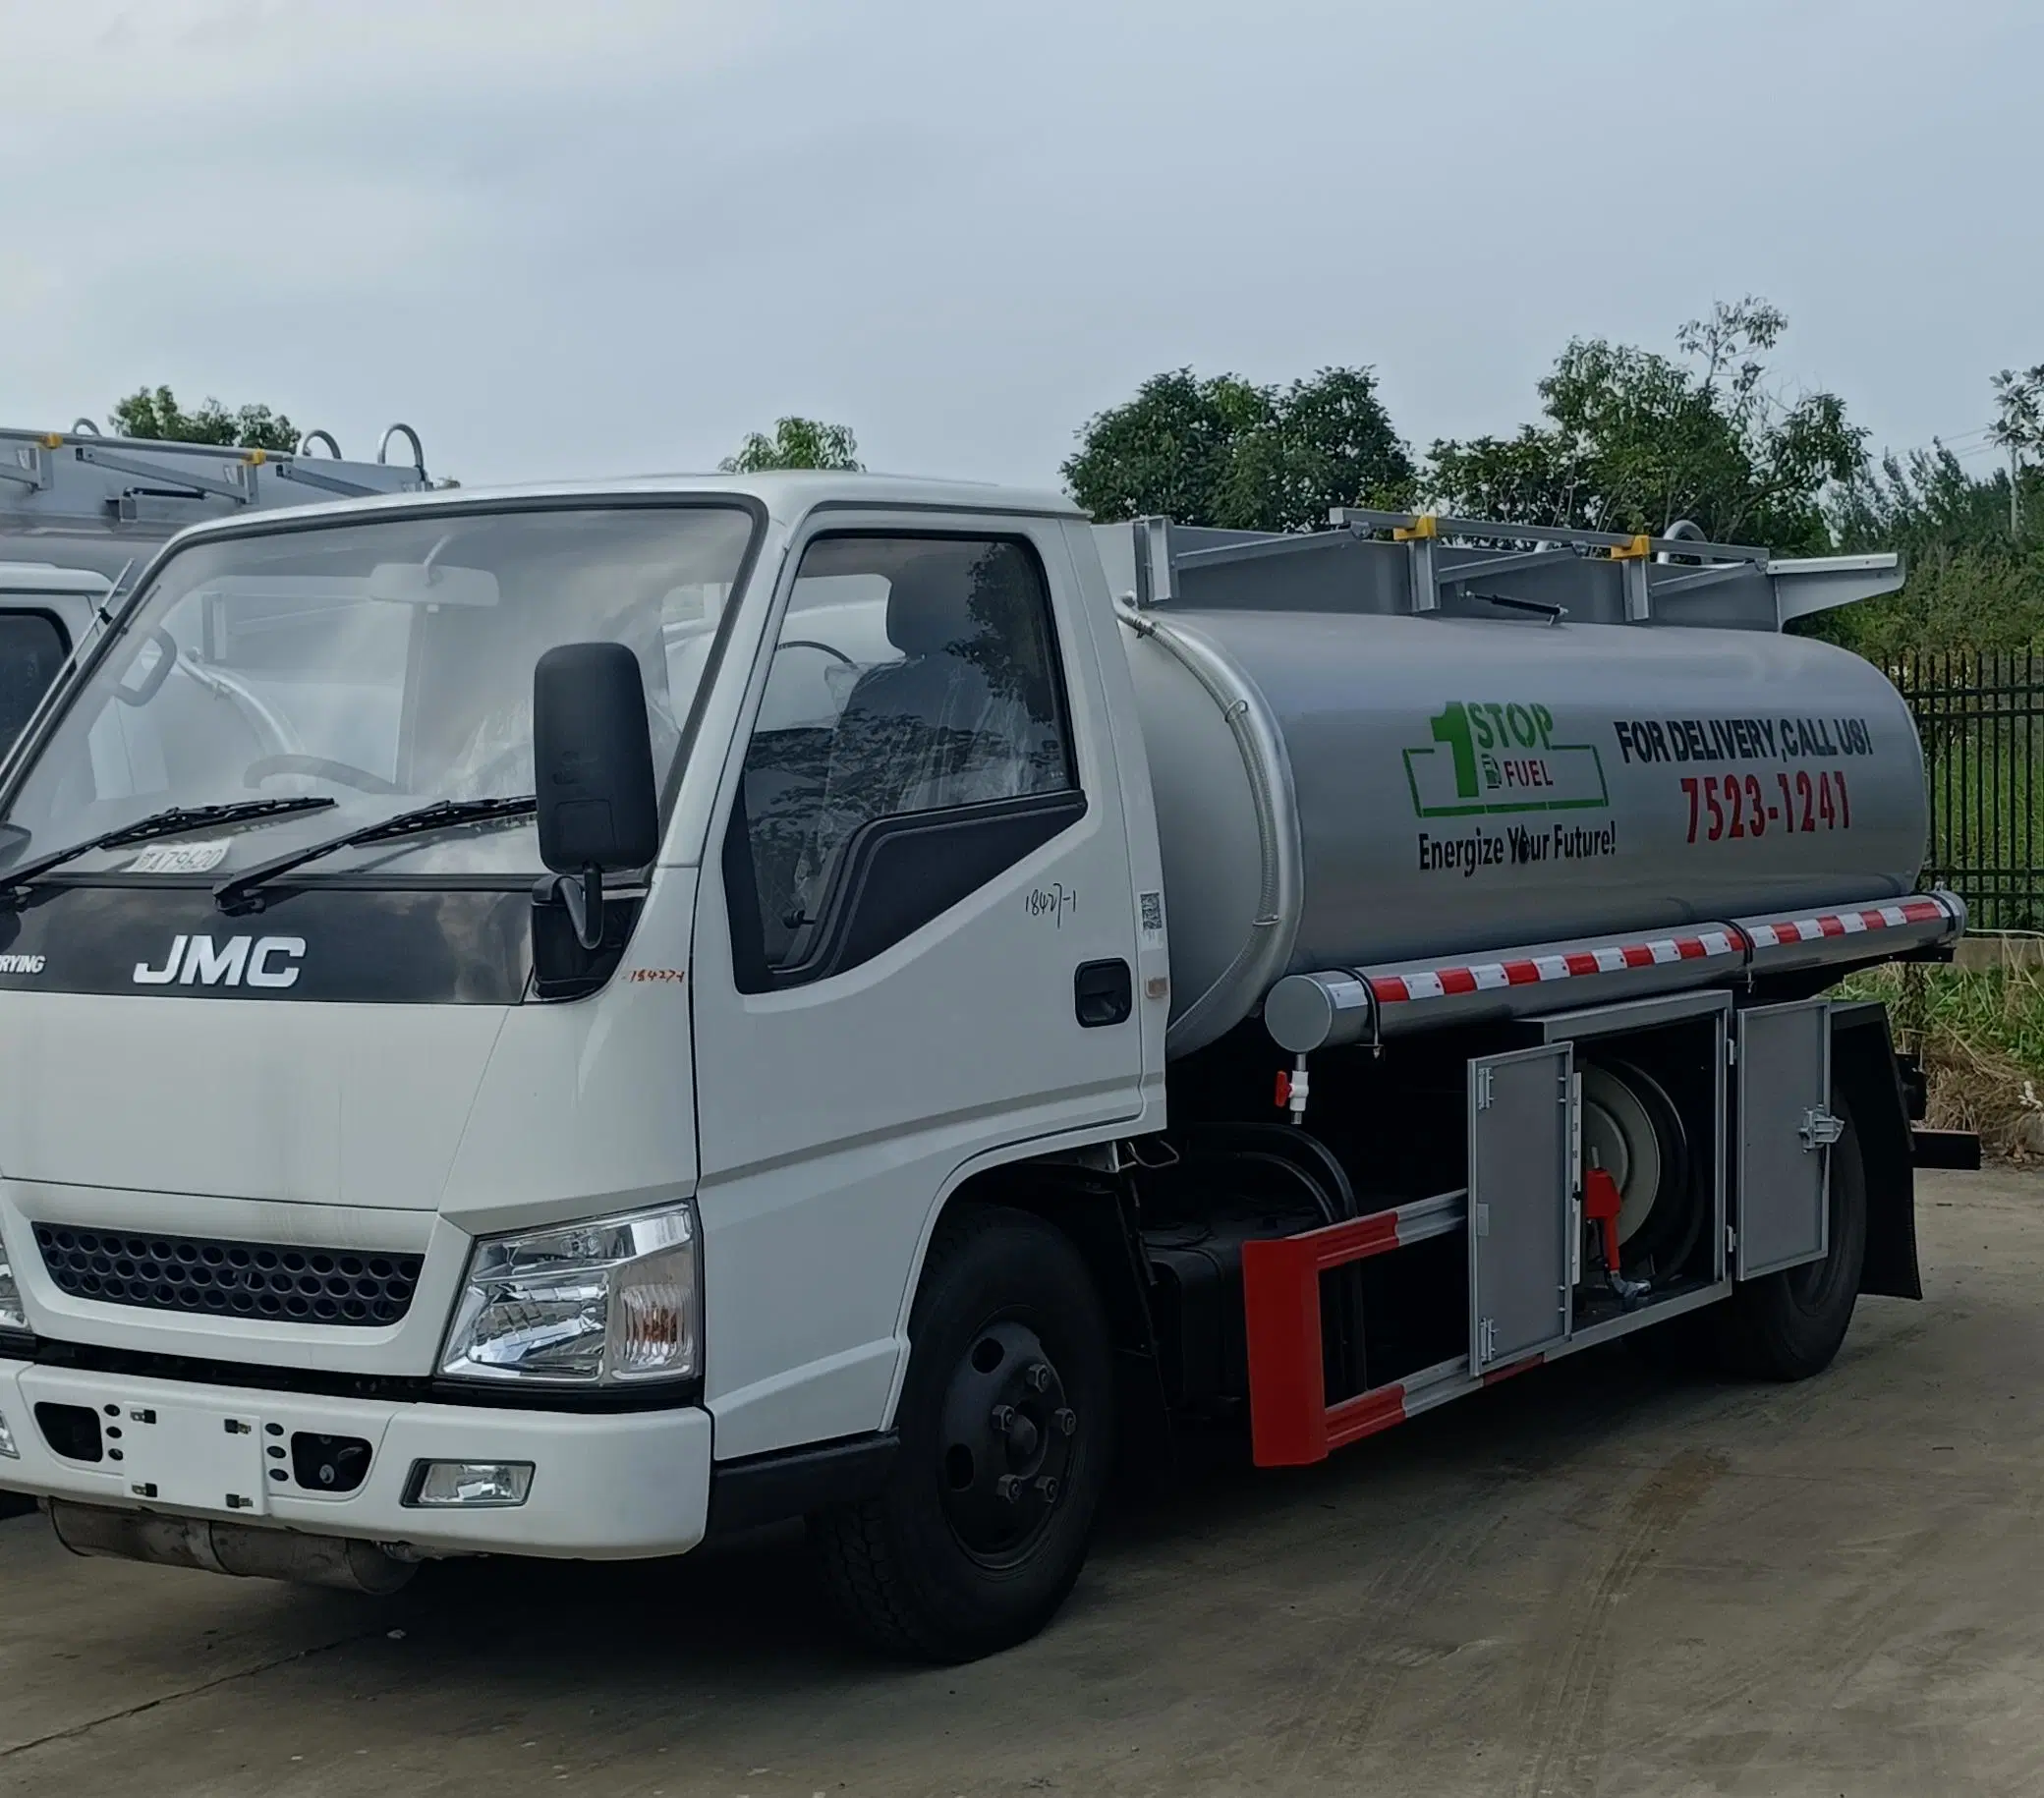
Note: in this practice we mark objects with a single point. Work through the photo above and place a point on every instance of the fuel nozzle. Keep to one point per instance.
(1602, 1203)
(1601, 1206)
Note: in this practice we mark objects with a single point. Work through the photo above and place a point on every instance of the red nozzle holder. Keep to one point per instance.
(1602, 1202)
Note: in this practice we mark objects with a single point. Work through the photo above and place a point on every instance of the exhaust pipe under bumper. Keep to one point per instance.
(238, 1548)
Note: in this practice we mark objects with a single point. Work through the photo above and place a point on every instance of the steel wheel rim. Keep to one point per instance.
(1007, 1434)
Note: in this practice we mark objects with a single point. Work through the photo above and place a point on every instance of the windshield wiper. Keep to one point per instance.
(173, 821)
(239, 890)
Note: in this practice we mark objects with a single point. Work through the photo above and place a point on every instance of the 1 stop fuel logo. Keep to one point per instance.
(1496, 756)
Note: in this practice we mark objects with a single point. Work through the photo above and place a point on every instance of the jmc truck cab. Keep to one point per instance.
(558, 1021)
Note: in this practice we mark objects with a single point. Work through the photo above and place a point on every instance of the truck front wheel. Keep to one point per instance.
(1006, 1431)
(1788, 1325)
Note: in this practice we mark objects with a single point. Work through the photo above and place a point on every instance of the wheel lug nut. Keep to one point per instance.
(1047, 1486)
(1010, 1487)
(1003, 1418)
(1066, 1420)
(1039, 1377)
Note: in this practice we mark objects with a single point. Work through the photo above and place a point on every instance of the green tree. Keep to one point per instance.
(2019, 426)
(1227, 452)
(1974, 585)
(1633, 440)
(796, 443)
(2019, 405)
(157, 415)
(1922, 503)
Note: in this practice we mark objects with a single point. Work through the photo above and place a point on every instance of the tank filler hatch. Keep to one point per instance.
(1416, 563)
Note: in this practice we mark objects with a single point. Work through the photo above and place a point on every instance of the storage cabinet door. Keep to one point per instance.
(1786, 1129)
(1520, 1187)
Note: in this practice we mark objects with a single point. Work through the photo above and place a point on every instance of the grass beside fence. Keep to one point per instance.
(1980, 1031)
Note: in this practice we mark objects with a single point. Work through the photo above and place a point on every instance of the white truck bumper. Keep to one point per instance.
(614, 1485)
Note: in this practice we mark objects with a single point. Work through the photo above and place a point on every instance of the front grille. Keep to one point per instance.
(234, 1279)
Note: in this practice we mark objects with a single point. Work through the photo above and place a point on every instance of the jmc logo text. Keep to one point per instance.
(240, 961)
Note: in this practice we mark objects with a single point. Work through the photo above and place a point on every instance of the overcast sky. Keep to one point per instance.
(613, 236)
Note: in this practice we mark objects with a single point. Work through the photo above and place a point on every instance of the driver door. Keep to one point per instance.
(916, 951)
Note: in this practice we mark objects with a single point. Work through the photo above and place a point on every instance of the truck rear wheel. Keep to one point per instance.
(1788, 1325)
(1006, 1426)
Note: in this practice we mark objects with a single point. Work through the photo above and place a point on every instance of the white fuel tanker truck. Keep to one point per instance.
(647, 1009)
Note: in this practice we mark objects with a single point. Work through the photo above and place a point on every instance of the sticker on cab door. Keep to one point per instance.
(1150, 919)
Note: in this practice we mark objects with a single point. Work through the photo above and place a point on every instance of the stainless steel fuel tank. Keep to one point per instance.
(1340, 788)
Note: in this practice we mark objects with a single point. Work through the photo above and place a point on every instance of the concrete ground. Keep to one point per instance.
(1591, 1580)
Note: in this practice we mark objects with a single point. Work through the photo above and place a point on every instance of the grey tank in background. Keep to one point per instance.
(1337, 789)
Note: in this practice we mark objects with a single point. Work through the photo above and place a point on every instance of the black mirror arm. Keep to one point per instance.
(583, 895)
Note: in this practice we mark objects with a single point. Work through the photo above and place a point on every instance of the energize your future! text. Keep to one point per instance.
(1515, 846)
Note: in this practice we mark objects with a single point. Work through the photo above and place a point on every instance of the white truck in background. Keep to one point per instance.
(44, 609)
(78, 511)
(647, 1008)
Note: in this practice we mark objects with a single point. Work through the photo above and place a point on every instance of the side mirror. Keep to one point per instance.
(592, 775)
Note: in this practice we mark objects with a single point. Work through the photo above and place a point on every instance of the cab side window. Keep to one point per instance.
(32, 650)
(913, 737)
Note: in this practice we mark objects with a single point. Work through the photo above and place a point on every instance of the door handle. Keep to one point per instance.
(1102, 993)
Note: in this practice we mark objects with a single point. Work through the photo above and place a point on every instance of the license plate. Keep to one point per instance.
(179, 857)
(196, 1457)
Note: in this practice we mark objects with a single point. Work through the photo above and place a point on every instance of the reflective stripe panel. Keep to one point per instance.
(1484, 976)
(1614, 958)
(1779, 931)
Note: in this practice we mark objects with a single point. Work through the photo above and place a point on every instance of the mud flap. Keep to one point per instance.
(1866, 1075)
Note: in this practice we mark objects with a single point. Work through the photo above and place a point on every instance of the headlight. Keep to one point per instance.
(589, 1304)
(12, 1317)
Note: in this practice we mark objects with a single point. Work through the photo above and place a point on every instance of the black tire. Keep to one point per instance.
(1788, 1325)
(947, 1563)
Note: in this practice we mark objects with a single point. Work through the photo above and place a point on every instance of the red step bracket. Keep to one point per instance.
(1290, 1423)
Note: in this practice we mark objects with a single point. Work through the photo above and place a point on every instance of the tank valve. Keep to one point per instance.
(1292, 1090)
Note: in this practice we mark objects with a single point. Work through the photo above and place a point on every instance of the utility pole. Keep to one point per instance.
(2014, 493)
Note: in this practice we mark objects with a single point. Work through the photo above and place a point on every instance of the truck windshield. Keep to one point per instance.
(385, 664)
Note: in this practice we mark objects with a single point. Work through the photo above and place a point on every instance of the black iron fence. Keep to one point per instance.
(1979, 717)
